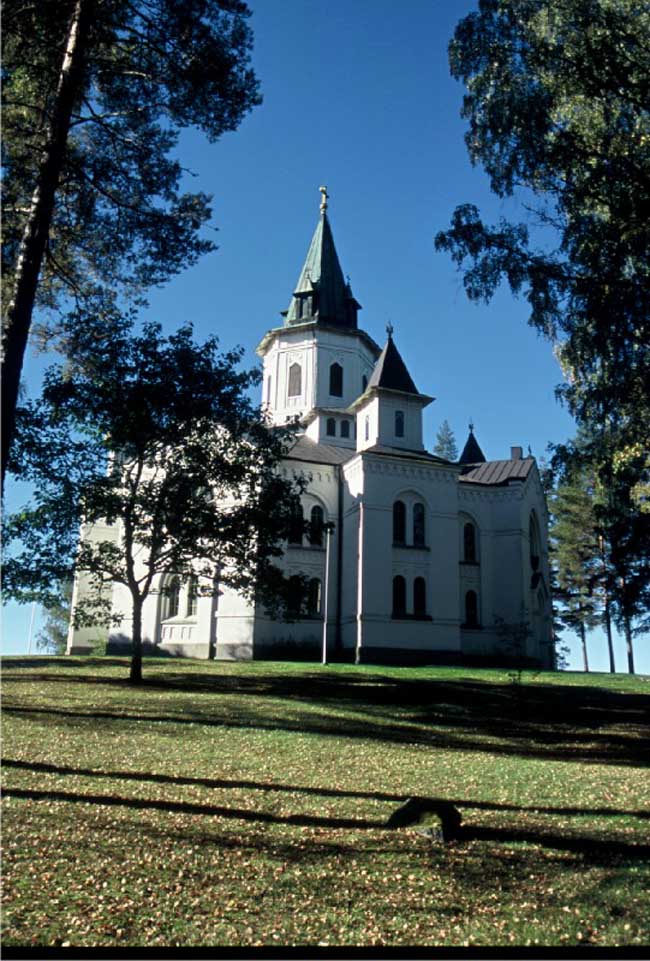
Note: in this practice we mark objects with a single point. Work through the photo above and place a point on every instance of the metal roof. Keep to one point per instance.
(498, 471)
(472, 453)
(322, 273)
(390, 371)
(309, 451)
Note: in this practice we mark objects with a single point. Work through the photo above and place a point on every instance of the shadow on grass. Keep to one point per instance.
(554, 738)
(226, 784)
(593, 850)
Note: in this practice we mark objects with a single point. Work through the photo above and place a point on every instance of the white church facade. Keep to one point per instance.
(410, 557)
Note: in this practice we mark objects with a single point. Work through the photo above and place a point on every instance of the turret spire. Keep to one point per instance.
(321, 294)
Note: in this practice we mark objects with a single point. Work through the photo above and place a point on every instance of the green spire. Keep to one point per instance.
(321, 294)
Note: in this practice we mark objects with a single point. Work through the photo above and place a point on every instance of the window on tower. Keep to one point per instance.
(418, 525)
(399, 423)
(336, 380)
(330, 428)
(345, 428)
(295, 380)
(399, 522)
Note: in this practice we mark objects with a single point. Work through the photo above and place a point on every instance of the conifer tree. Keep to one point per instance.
(95, 93)
(446, 443)
(575, 547)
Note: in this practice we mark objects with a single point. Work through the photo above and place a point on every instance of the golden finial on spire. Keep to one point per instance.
(324, 199)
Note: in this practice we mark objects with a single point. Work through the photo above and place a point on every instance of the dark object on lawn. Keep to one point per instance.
(417, 811)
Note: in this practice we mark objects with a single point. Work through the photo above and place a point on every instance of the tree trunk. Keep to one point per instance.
(628, 644)
(583, 638)
(608, 629)
(37, 229)
(135, 675)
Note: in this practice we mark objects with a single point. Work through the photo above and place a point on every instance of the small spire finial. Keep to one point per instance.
(389, 329)
(471, 426)
(324, 199)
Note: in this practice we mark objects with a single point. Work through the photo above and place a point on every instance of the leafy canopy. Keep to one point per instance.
(156, 437)
(558, 105)
(122, 221)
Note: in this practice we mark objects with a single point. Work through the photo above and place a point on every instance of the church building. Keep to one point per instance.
(409, 557)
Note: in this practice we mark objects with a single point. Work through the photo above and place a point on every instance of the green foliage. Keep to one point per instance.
(446, 443)
(273, 783)
(558, 107)
(575, 552)
(52, 637)
(152, 444)
(121, 221)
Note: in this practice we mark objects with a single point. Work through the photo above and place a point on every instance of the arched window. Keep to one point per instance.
(469, 543)
(471, 609)
(345, 428)
(295, 380)
(296, 526)
(336, 380)
(192, 595)
(313, 597)
(294, 597)
(399, 596)
(364, 383)
(316, 526)
(418, 525)
(399, 423)
(419, 597)
(399, 523)
(173, 596)
(330, 428)
(367, 428)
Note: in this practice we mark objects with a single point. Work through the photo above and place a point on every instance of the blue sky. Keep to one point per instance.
(358, 96)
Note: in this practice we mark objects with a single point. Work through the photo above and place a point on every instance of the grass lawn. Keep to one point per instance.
(245, 804)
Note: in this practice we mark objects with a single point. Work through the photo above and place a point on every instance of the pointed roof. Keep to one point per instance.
(321, 274)
(390, 370)
(472, 453)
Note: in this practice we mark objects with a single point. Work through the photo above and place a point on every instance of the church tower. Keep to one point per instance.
(319, 361)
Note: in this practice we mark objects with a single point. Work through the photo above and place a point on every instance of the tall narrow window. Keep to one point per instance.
(268, 389)
(399, 596)
(173, 596)
(294, 599)
(336, 380)
(316, 526)
(399, 423)
(345, 428)
(419, 597)
(469, 543)
(418, 525)
(399, 523)
(313, 597)
(367, 428)
(295, 380)
(192, 595)
(296, 527)
(471, 609)
(364, 383)
(330, 428)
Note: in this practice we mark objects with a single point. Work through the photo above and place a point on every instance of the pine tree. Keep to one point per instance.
(446, 443)
(95, 93)
(574, 547)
